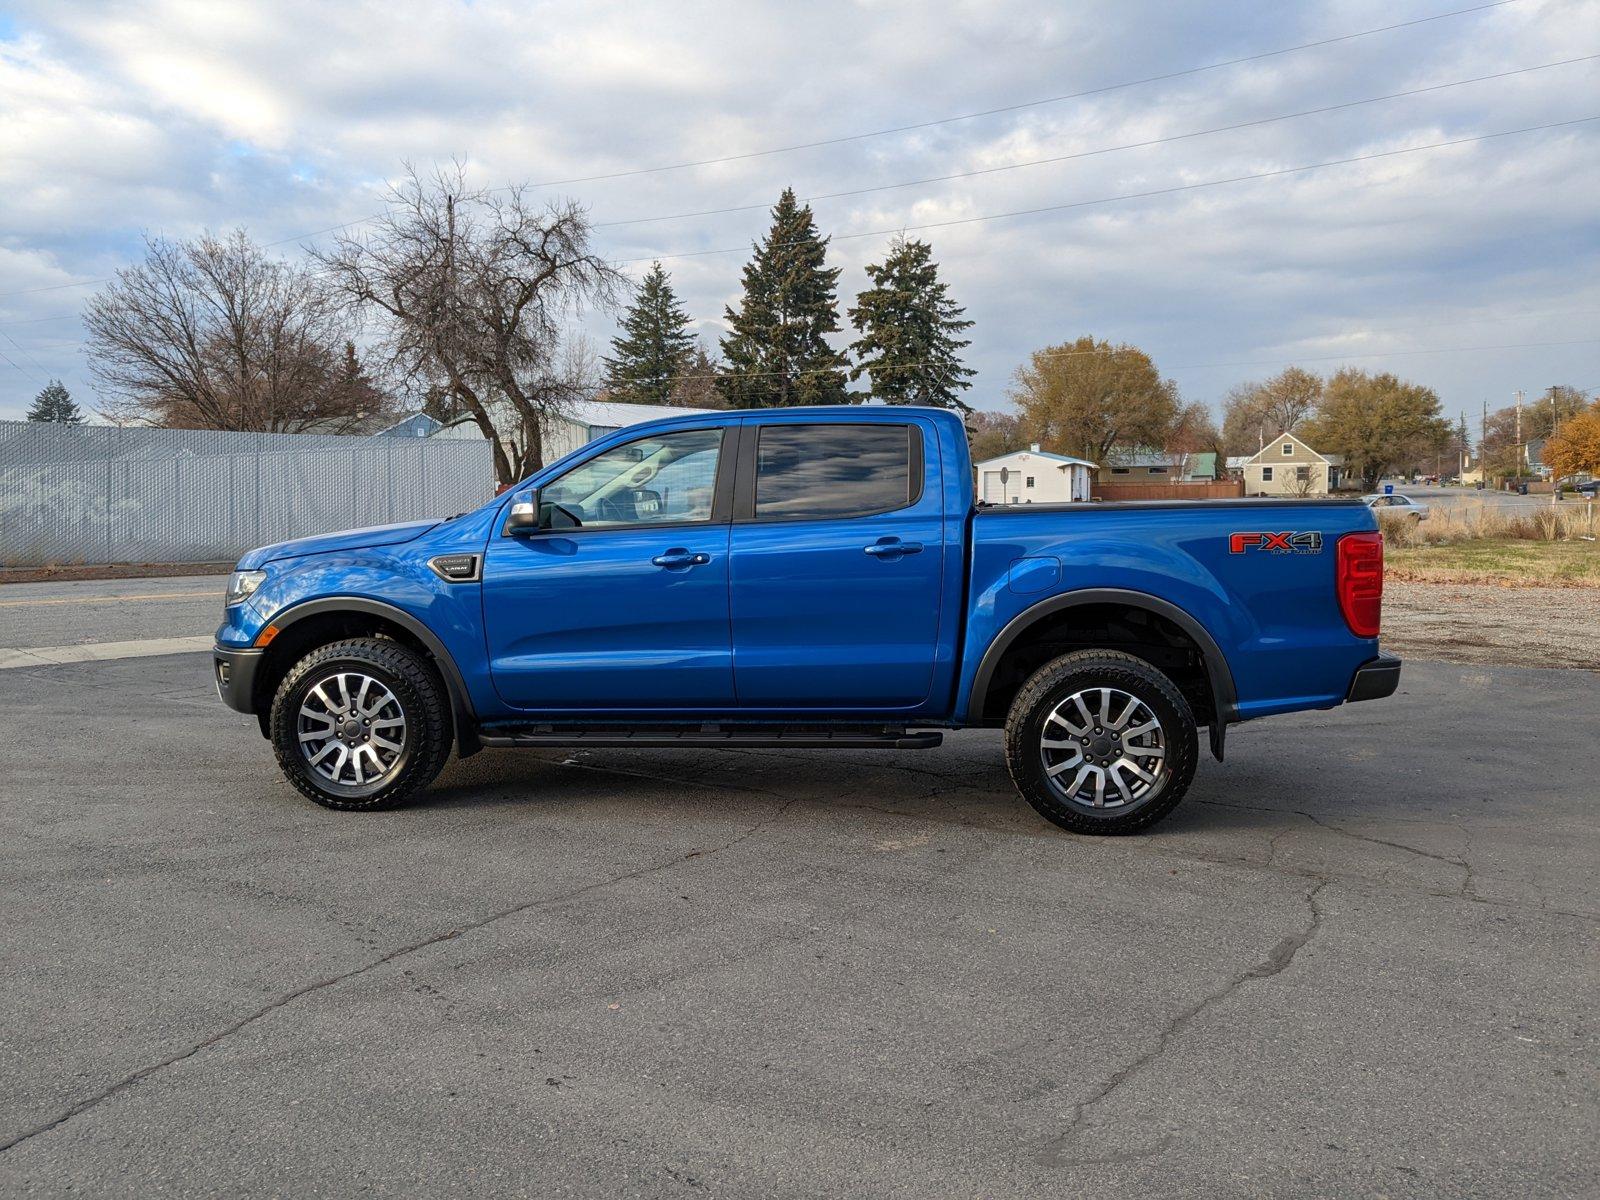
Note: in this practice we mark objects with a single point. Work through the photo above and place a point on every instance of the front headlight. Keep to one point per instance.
(242, 585)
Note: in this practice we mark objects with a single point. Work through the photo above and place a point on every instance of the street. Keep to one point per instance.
(1509, 503)
(1358, 959)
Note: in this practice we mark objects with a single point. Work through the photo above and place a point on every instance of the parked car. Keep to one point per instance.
(802, 578)
(1397, 505)
(1590, 488)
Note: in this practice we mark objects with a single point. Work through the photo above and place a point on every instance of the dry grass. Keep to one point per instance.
(1455, 524)
(1549, 547)
(1509, 563)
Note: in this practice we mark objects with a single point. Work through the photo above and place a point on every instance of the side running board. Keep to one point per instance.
(712, 735)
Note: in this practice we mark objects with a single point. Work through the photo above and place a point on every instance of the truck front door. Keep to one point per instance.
(622, 603)
(837, 558)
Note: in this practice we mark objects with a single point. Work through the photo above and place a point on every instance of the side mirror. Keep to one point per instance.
(524, 515)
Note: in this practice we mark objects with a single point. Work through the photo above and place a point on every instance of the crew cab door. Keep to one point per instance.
(622, 601)
(837, 558)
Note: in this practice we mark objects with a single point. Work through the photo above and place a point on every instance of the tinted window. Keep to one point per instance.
(666, 479)
(832, 470)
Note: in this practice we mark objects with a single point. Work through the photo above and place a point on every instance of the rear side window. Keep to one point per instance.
(822, 471)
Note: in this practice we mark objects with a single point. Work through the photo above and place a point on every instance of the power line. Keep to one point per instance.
(11, 362)
(1098, 350)
(1007, 108)
(1166, 191)
(1161, 141)
(988, 112)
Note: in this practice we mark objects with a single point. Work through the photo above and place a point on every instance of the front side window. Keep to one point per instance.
(1029, 481)
(1288, 449)
(667, 479)
(1266, 474)
(830, 471)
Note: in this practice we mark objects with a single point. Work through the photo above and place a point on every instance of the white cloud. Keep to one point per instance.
(287, 116)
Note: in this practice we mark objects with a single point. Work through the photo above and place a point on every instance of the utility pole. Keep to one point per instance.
(1522, 451)
(1483, 446)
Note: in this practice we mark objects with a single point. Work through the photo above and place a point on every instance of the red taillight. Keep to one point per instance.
(1360, 569)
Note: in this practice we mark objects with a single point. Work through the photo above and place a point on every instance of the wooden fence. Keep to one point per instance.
(1226, 489)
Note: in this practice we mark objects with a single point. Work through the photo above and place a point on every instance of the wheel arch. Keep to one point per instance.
(1033, 620)
(327, 618)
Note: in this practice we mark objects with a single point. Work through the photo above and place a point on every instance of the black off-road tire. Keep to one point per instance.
(1056, 682)
(413, 679)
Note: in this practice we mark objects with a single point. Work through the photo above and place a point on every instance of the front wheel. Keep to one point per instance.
(1100, 742)
(361, 724)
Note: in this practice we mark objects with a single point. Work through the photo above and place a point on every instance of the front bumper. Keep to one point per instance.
(1375, 679)
(234, 673)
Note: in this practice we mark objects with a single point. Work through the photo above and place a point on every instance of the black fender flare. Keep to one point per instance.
(466, 718)
(1223, 695)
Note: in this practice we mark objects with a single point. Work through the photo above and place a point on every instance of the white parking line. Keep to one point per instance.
(50, 656)
(109, 599)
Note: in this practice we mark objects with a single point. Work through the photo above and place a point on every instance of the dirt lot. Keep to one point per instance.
(1491, 624)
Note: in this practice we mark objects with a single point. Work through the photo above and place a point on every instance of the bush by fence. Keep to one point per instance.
(96, 494)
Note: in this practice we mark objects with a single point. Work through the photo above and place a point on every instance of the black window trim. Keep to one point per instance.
(744, 486)
(721, 489)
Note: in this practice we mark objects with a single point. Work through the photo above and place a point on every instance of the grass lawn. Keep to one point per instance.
(1498, 560)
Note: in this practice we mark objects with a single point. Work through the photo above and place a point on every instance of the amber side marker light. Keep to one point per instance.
(266, 635)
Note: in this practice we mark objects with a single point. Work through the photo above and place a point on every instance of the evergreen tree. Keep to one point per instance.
(356, 393)
(56, 406)
(909, 325)
(777, 349)
(654, 347)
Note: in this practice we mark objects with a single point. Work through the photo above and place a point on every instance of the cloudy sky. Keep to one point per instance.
(1472, 268)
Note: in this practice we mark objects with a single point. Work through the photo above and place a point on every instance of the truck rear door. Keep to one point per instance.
(836, 559)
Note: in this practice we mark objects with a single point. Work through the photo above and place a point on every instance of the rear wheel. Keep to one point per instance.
(361, 724)
(1101, 742)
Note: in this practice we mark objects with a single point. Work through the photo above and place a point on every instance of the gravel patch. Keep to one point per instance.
(1485, 623)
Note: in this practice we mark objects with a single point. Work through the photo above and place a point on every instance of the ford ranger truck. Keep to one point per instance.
(804, 578)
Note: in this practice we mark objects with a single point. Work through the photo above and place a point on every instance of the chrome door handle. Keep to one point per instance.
(680, 558)
(892, 549)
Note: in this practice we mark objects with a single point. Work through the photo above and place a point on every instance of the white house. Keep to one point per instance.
(1033, 476)
(1286, 466)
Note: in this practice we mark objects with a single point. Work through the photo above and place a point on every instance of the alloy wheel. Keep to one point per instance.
(352, 730)
(1103, 748)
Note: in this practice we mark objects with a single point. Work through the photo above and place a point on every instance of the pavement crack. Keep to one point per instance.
(1462, 863)
(1054, 1152)
(288, 998)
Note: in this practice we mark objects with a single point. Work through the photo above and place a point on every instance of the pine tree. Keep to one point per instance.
(909, 325)
(655, 346)
(355, 392)
(777, 349)
(56, 406)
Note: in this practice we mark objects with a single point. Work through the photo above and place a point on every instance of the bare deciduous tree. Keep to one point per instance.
(214, 334)
(474, 287)
(1255, 413)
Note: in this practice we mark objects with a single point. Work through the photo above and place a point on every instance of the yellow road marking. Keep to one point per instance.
(110, 599)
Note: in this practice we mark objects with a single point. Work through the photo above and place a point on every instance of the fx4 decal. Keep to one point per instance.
(1278, 543)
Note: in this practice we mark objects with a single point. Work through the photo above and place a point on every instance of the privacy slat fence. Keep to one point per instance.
(97, 494)
(1223, 490)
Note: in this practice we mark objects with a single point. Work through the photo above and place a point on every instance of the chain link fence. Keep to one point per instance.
(98, 494)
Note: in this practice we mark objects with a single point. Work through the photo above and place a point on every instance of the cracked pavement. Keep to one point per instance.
(1360, 959)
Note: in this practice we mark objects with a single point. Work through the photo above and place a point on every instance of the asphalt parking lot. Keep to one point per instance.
(1360, 959)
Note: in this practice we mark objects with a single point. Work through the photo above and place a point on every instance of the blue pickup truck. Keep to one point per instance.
(804, 578)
